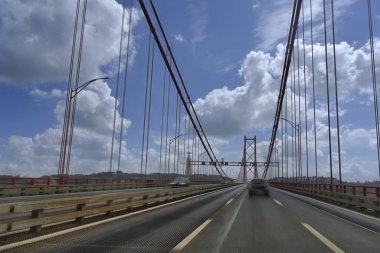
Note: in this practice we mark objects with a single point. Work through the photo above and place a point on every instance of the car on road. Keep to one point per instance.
(180, 182)
(258, 185)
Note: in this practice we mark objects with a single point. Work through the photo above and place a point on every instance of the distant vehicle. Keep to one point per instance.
(257, 185)
(180, 182)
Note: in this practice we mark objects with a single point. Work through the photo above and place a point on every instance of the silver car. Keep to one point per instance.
(180, 182)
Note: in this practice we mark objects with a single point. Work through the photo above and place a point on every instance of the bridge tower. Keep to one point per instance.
(249, 157)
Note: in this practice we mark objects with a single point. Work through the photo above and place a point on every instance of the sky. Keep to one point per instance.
(230, 55)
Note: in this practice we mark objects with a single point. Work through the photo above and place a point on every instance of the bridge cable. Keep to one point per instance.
(286, 137)
(125, 86)
(76, 84)
(145, 105)
(305, 86)
(374, 84)
(209, 150)
(284, 76)
(178, 139)
(299, 112)
(162, 121)
(62, 155)
(149, 110)
(294, 120)
(167, 163)
(336, 92)
(117, 88)
(327, 88)
(313, 81)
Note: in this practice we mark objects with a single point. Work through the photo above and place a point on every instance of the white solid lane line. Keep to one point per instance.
(278, 202)
(229, 201)
(323, 239)
(190, 237)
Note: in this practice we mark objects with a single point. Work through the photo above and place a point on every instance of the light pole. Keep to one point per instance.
(170, 142)
(68, 127)
(296, 128)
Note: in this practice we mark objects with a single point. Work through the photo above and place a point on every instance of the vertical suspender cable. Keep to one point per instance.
(76, 84)
(299, 112)
(327, 88)
(282, 148)
(313, 79)
(336, 92)
(374, 84)
(149, 109)
(62, 155)
(292, 115)
(286, 137)
(304, 83)
(117, 89)
(124, 87)
(167, 162)
(176, 133)
(162, 121)
(178, 139)
(145, 105)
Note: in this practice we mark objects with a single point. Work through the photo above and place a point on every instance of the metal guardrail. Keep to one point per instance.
(10, 181)
(34, 215)
(361, 190)
(25, 187)
(362, 199)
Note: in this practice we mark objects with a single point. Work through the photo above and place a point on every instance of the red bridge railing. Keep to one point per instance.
(353, 189)
(14, 181)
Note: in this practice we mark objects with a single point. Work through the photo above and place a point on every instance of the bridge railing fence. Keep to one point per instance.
(350, 189)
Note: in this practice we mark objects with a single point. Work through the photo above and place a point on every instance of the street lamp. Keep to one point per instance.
(68, 127)
(170, 142)
(296, 128)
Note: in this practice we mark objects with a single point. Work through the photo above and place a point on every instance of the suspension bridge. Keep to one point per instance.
(130, 207)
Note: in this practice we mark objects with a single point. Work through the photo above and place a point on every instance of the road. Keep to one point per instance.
(157, 230)
(285, 222)
(228, 221)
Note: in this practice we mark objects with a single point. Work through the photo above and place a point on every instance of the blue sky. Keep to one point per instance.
(230, 54)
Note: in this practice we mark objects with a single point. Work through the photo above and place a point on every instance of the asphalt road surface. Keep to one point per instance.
(285, 222)
(157, 230)
(228, 220)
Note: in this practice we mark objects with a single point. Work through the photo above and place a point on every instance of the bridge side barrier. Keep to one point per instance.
(33, 215)
(30, 186)
(362, 201)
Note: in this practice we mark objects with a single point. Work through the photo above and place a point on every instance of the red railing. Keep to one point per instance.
(357, 189)
(9, 181)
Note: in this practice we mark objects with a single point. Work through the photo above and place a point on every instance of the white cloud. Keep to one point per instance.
(274, 20)
(179, 37)
(35, 48)
(54, 93)
(37, 37)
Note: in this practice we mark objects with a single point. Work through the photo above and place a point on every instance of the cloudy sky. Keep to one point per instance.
(230, 55)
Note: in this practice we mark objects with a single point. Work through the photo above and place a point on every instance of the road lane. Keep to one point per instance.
(154, 231)
(281, 223)
(347, 235)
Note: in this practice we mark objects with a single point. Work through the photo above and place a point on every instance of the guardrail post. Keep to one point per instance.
(364, 191)
(344, 189)
(80, 207)
(378, 192)
(36, 214)
(353, 190)
(109, 203)
(13, 181)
